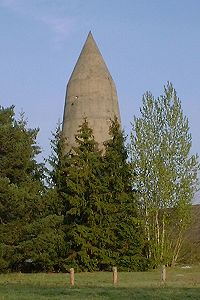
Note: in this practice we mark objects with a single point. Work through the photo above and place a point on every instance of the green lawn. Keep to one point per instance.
(180, 284)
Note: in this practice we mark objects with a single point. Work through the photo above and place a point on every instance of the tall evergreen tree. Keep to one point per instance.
(102, 228)
(122, 219)
(47, 247)
(83, 205)
(55, 174)
(18, 148)
(21, 184)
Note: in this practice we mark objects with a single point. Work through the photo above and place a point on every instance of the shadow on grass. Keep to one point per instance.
(22, 292)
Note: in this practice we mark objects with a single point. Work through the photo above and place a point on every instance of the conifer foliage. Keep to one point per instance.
(83, 214)
(101, 226)
(84, 209)
(123, 218)
(20, 186)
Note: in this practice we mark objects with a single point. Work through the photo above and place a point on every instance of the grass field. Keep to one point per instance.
(180, 284)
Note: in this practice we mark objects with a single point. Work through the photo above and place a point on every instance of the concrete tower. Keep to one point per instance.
(90, 93)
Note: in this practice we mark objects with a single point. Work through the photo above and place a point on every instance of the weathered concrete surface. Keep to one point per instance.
(90, 93)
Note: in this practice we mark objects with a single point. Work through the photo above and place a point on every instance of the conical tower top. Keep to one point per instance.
(91, 93)
(90, 62)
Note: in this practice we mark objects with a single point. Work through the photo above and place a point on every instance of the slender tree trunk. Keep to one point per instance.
(157, 228)
(157, 238)
(147, 231)
(177, 247)
(163, 238)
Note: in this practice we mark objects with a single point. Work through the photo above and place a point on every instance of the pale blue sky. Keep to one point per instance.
(145, 43)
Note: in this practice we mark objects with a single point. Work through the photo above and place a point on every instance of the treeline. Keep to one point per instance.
(92, 209)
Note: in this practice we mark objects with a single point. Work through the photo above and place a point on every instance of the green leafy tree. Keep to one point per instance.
(166, 173)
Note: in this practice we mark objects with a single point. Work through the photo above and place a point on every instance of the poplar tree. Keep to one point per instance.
(166, 173)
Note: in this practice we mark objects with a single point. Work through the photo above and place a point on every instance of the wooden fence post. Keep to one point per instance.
(114, 269)
(163, 274)
(71, 276)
